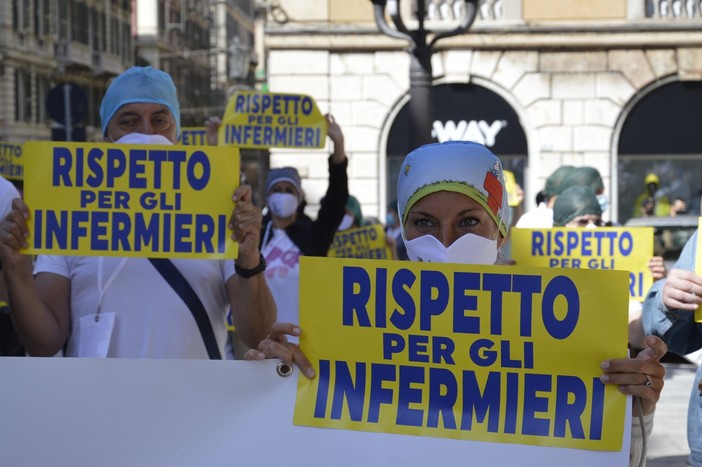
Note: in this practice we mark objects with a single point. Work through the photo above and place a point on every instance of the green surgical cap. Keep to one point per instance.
(354, 206)
(586, 176)
(575, 201)
(554, 180)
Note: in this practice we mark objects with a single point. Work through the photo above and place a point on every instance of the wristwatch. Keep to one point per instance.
(246, 273)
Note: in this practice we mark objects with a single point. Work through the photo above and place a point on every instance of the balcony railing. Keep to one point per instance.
(449, 10)
(495, 12)
(674, 9)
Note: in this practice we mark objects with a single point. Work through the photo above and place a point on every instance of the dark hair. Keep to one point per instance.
(540, 197)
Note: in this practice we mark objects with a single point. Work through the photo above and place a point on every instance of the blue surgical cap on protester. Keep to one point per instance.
(140, 85)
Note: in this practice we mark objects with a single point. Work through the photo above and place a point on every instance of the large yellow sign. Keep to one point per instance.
(624, 248)
(11, 161)
(265, 120)
(130, 200)
(493, 353)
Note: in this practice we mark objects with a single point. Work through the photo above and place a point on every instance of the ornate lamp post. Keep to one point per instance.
(421, 50)
(239, 60)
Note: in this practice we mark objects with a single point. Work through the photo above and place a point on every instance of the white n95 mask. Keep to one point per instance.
(282, 204)
(467, 249)
(346, 222)
(141, 138)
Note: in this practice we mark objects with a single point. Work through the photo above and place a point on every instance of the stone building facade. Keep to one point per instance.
(575, 76)
(46, 43)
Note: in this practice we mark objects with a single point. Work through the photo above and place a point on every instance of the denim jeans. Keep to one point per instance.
(694, 421)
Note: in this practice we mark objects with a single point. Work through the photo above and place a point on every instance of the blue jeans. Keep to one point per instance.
(694, 422)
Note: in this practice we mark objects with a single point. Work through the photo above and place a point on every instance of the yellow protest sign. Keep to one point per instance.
(265, 120)
(193, 136)
(11, 161)
(487, 353)
(130, 200)
(362, 242)
(623, 248)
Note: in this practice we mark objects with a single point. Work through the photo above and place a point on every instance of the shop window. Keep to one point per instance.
(661, 136)
(23, 96)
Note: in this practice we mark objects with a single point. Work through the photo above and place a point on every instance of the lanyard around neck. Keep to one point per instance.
(103, 289)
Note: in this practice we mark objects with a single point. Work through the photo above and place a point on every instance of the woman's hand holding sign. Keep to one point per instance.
(641, 376)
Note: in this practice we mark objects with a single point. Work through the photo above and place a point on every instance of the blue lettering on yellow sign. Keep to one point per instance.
(163, 232)
(574, 242)
(272, 136)
(275, 103)
(434, 294)
(79, 169)
(426, 394)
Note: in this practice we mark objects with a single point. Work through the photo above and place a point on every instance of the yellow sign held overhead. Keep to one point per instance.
(153, 201)
(266, 120)
(363, 242)
(11, 161)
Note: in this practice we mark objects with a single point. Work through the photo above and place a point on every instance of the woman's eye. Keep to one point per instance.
(423, 223)
(469, 222)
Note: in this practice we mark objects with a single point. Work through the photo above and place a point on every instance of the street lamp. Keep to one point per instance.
(239, 60)
(421, 104)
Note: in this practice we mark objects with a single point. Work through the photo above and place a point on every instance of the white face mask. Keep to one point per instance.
(141, 138)
(467, 249)
(603, 202)
(282, 204)
(346, 222)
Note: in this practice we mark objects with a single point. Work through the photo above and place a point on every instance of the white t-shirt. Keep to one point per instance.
(283, 274)
(539, 218)
(150, 319)
(8, 192)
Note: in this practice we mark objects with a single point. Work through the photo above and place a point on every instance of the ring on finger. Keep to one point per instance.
(649, 381)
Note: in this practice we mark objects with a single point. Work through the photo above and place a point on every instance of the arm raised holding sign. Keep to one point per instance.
(253, 309)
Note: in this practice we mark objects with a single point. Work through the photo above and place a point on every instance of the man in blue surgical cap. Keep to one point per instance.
(124, 307)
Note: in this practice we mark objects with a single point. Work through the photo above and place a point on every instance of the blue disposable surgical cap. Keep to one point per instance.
(140, 85)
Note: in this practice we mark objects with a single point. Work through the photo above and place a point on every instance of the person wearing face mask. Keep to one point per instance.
(288, 233)
(589, 177)
(353, 216)
(141, 313)
(452, 204)
(542, 216)
(452, 201)
(578, 206)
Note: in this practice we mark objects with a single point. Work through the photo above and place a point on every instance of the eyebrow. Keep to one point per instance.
(458, 214)
(129, 113)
